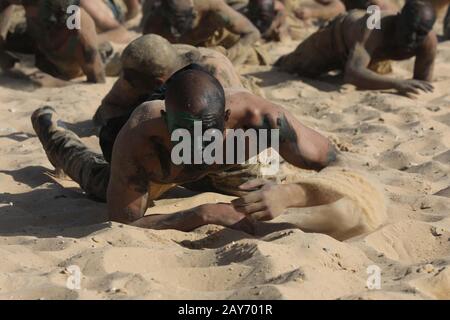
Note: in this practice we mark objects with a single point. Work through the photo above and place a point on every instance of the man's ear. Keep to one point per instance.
(227, 114)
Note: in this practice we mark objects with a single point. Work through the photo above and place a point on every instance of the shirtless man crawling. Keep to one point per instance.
(348, 44)
(148, 62)
(109, 16)
(328, 9)
(142, 170)
(270, 17)
(60, 52)
(205, 23)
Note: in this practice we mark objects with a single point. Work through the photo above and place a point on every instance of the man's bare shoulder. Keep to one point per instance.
(205, 5)
(182, 48)
(359, 18)
(431, 41)
(144, 122)
(355, 15)
(216, 59)
(88, 24)
(240, 99)
(356, 30)
(236, 93)
(147, 111)
(208, 52)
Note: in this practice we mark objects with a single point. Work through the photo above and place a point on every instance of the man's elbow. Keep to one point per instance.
(339, 7)
(351, 75)
(256, 34)
(252, 36)
(322, 159)
(96, 77)
(125, 216)
(331, 155)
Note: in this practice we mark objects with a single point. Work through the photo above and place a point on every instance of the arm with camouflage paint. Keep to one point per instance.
(324, 9)
(426, 55)
(117, 102)
(358, 74)
(133, 8)
(236, 23)
(87, 51)
(136, 159)
(301, 146)
(109, 28)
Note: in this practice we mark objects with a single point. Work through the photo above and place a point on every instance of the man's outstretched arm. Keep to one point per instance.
(109, 28)
(236, 23)
(267, 200)
(128, 201)
(301, 146)
(133, 8)
(127, 204)
(128, 198)
(91, 62)
(324, 9)
(426, 55)
(358, 74)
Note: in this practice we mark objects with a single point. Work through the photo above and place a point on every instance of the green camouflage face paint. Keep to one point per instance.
(180, 120)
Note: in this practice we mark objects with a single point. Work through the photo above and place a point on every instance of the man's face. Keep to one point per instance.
(262, 13)
(180, 18)
(54, 12)
(142, 81)
(412, 31)
(176, 120)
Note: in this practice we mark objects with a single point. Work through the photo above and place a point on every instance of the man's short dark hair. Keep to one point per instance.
(419, 12)
(196, 91)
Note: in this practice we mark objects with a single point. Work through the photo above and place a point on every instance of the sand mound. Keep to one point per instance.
(359, 205)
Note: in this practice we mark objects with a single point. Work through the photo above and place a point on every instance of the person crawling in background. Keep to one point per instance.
(328, 9)
(348, 44)
(109, 15)
(269, 16)
(142, 169)
(62, 52)
(148, 62)
(206, 23)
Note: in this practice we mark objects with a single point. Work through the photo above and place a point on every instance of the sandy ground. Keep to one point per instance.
(48, 225)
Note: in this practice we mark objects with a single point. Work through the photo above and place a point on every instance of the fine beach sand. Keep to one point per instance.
(48, 225)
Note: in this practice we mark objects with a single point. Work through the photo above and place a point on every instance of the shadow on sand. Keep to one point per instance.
(325, 83)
